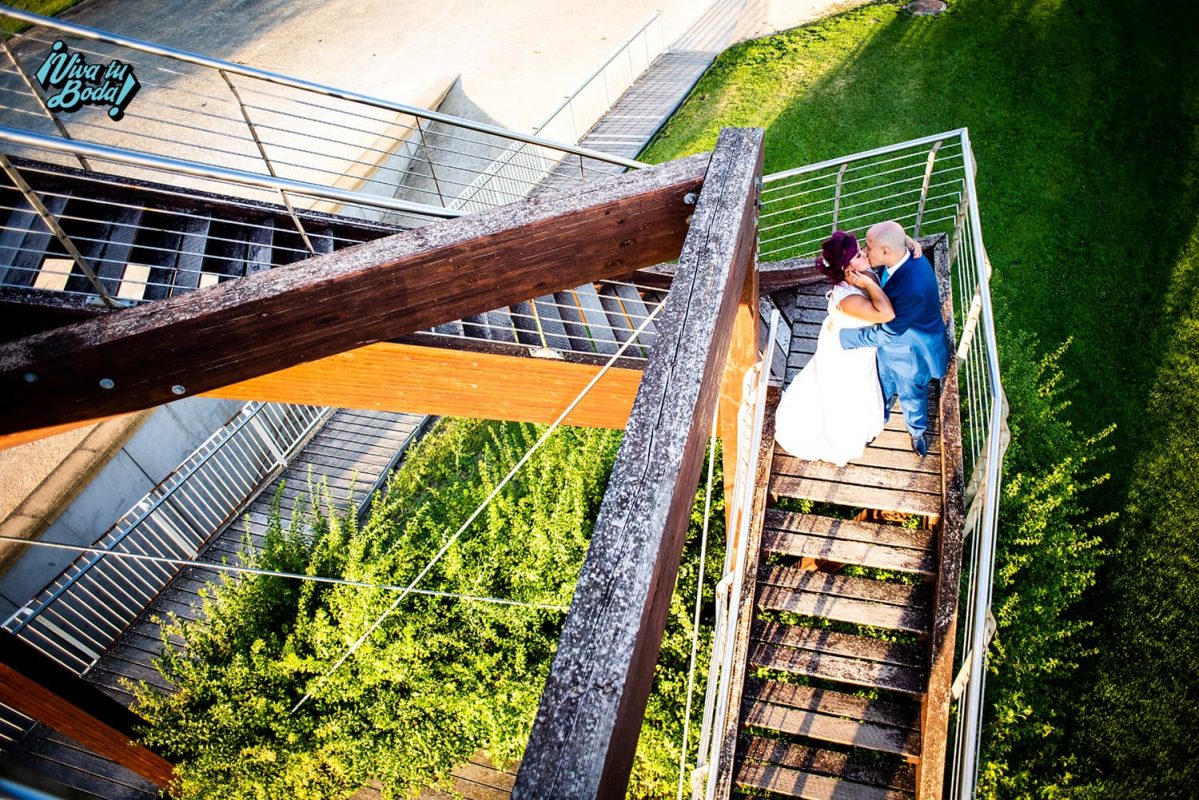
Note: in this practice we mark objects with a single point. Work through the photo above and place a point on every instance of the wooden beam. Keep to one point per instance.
(788, 273)
(375, 291)
(590, 715)
(934, 708)
(39, 687)
(743, 354)
(390, 376)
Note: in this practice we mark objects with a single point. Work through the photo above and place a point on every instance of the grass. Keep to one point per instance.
(47, 8)
(1083, 116)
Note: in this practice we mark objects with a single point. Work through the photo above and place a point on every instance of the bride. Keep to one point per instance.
(834, 407)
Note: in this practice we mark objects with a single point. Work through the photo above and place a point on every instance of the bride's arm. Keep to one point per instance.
(875, 307)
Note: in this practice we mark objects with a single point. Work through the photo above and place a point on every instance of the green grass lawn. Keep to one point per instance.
(47, 8)
(1083, 118)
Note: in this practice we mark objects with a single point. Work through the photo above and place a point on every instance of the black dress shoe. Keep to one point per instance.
(919, 445)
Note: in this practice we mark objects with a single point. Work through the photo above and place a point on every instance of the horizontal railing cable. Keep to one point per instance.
(218, 566)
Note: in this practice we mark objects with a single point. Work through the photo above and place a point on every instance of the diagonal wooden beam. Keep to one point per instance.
(391, 376)
(276, 319)
(587, 725)
(44, 690)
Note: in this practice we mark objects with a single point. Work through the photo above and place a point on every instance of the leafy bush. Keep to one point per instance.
(1046, 558)
(441, 678)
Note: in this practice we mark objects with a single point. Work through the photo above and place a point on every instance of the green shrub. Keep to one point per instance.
(1047, 556)
(440, 679)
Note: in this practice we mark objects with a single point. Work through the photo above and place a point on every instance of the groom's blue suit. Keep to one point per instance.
(912, 348)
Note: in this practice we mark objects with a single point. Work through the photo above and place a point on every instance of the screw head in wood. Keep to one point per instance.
(177, 389)
(107, 383)
(30, 377)
(690, 198)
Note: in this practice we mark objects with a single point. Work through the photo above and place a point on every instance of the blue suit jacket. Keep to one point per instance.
(914, 344)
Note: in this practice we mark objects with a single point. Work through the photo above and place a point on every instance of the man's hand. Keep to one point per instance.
(914, 246)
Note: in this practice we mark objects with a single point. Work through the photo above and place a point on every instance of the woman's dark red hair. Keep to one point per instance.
(838, 249)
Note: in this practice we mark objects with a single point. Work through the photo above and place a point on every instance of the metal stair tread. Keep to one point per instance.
(856, 767)
(828, 716)
(848, 542)
(834, 656)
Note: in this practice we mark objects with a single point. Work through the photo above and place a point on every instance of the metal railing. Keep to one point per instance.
(78, 616)
(927, 185)
(751, 416)
(212, 111)
(521, 168)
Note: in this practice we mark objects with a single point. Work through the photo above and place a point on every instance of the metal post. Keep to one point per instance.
(928, 176)
(429, 155)
(50, 222)
(837, 195)
(41, 101)
(245, 115)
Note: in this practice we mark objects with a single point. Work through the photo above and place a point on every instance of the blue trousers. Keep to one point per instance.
(913, 398)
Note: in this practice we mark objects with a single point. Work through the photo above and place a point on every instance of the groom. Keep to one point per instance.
(913, 347)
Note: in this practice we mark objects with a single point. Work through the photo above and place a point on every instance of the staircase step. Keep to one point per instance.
(193, 238)
(828, 716)
(600, 332)
(842, 657)
(855, 495)
(549, 316)
(855, 768)
(808, 785)
(260, 240)
(845, 541)
(846, 599)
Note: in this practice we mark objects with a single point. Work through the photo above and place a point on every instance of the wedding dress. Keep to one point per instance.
(834, 407)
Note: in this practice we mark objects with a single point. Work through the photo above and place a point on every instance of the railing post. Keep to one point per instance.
(51, 223)
(41, 101)
(837, 195)
(928, 176)
(270, 168)
(429, 155)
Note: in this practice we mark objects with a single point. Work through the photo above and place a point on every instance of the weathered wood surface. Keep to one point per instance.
(390, 376)
(848, 542)
(788, 273)
(935, 709)
(36, 686)
(834, 717)
(848, 766)
(842, 657)
(329, 304)
(589, 718)
(809, 785)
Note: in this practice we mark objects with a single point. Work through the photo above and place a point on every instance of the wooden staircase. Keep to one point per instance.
(839, 649)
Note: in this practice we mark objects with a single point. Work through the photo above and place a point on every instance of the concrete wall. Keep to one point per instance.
(167, 436)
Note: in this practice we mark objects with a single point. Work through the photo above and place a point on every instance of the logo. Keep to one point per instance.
(73, 83)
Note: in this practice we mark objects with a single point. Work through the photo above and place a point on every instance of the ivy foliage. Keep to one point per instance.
(440, 679)
(1047, 557)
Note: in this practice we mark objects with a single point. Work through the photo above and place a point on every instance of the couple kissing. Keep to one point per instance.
(883, 337)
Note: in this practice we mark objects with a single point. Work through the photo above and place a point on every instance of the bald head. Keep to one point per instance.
(886, 244)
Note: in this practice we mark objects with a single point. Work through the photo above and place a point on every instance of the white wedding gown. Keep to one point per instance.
(834, 407)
